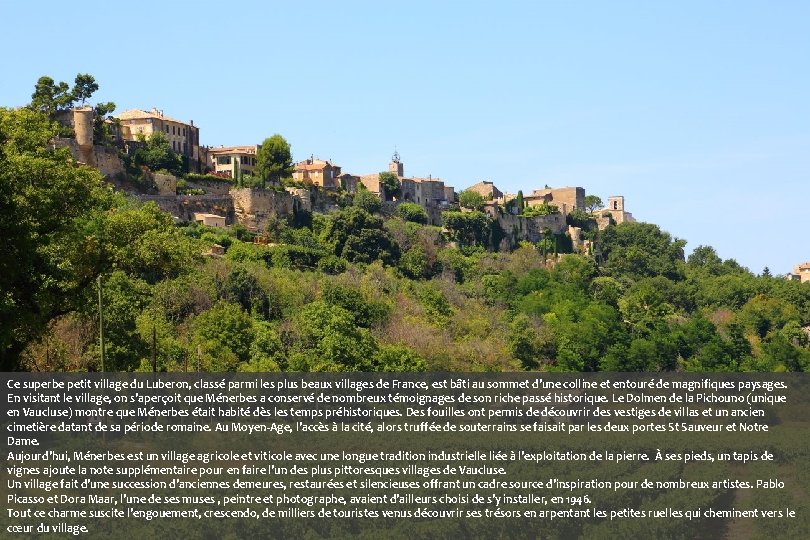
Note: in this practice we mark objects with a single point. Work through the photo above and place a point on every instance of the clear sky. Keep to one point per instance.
(698, 112)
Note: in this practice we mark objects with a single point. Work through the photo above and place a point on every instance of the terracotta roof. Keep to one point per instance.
(137, 114)
(248, 149)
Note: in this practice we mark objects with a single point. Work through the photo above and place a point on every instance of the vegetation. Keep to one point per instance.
(351, 290)
(391, 184)
(273, 160)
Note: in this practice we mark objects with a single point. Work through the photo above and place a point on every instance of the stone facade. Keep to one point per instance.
(531, 229)
(801, 272)
(615, 206)
(183, 137)
(227, 160)
(318, 172)
(488, 191)
(566, 198)
(166, 184)
(253, 207)
(104, 159)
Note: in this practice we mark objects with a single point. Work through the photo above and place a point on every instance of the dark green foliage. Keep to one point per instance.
(467, 228)
(157, 154)
(241, 287)
(412, 212)
(273, 160)
(471, 200)
(366, 200)
(414, 263)
(328, 339)
(593, 203)
(296, 257)
(641, 250)
(582, 219)
(398, 358)
(367, 313)
(357, 236)
(332, 264)
(391, 184)
(45, 201)
(222, 329)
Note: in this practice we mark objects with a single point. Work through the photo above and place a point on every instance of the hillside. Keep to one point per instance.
(355, 290)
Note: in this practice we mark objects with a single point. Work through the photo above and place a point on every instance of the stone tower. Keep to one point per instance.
(396, 166)
(83, 127)
(616, 202)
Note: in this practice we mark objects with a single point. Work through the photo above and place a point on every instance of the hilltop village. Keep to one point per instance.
(211, 189)
(129, 245)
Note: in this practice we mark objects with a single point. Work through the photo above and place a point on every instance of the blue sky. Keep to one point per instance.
(697, 112)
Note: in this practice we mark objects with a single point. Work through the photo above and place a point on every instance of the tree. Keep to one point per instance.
(45, 201)
(593, 203)
(49, 97)
(391, 184)
(273, 160)
(83, 88)
(641, 250)
(412, 212)
(157, 154)
(467, 228)
(519, 202)
(367, 201)
(471, 200)
(101, 129)
(544, 209)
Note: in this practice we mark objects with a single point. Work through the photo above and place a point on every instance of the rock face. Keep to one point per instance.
(253, 207)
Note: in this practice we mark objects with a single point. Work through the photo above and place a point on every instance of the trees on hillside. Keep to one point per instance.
(471, 200)
(593, 203)
(157, 154)
(273, 160)
(391, 184)
(45, 199)
(50, 96)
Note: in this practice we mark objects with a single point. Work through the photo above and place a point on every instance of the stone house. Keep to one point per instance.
(183, 137)
(227, 160)
(318, 172)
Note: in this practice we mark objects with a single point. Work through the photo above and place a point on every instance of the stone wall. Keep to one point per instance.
(104, 159)
(166, 184)
(254, 206)
(531, 229)
(183, 207)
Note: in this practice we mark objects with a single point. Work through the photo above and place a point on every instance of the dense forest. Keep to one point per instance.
(353, 290)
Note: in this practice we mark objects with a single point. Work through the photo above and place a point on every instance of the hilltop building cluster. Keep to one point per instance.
(219, 204)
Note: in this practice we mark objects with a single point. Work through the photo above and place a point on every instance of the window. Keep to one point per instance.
(167, 128)
(224, 160)
(184, 132)
(173, 133)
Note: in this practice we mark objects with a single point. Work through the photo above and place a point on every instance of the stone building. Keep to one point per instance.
(801, 272)
(615, 206)
(488, 191)
(183, 137)
(430, 193)
(227, 160)
(565, 198)
(318, 172)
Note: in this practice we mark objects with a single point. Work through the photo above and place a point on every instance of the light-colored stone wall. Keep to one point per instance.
(104, 159)
(254, 206)
(166, 184)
